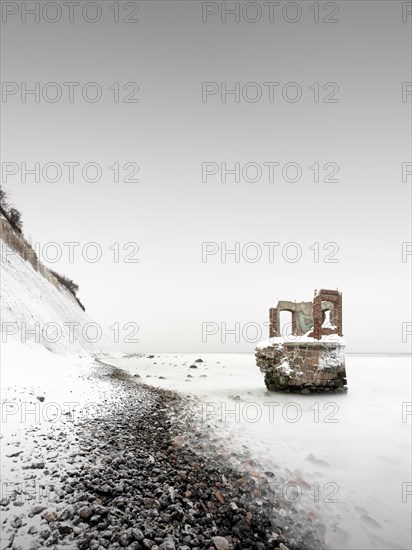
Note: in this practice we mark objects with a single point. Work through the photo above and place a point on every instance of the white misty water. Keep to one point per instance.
(353, 450)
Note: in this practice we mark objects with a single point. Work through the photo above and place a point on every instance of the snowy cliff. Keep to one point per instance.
(37, 309)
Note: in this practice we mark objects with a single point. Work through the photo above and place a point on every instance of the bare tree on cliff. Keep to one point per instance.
(4, 205)
(68, 283)
(12, 215)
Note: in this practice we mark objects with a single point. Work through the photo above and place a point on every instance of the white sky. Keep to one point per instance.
(170, 293)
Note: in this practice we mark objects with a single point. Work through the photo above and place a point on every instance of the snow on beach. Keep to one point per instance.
(43, 395)
(87, 467)
(353, 450)
(45, 390)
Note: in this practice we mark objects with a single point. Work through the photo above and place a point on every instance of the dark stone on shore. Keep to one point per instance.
(152, 478)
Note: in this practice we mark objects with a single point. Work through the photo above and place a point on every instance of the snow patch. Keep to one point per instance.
(285, 367)
(305, 338)
(33, 310)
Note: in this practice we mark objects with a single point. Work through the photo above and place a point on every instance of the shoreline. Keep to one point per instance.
(148, 476)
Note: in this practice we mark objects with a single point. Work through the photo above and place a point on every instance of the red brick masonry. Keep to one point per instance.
(313, 359)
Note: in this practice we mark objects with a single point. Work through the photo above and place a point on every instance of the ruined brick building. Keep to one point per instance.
(310, 358)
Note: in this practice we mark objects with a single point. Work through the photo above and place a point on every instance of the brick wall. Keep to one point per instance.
(303, 367)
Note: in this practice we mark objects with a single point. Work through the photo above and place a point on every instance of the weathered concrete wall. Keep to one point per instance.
(303, 367)
(18, 243)
(302, 317)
